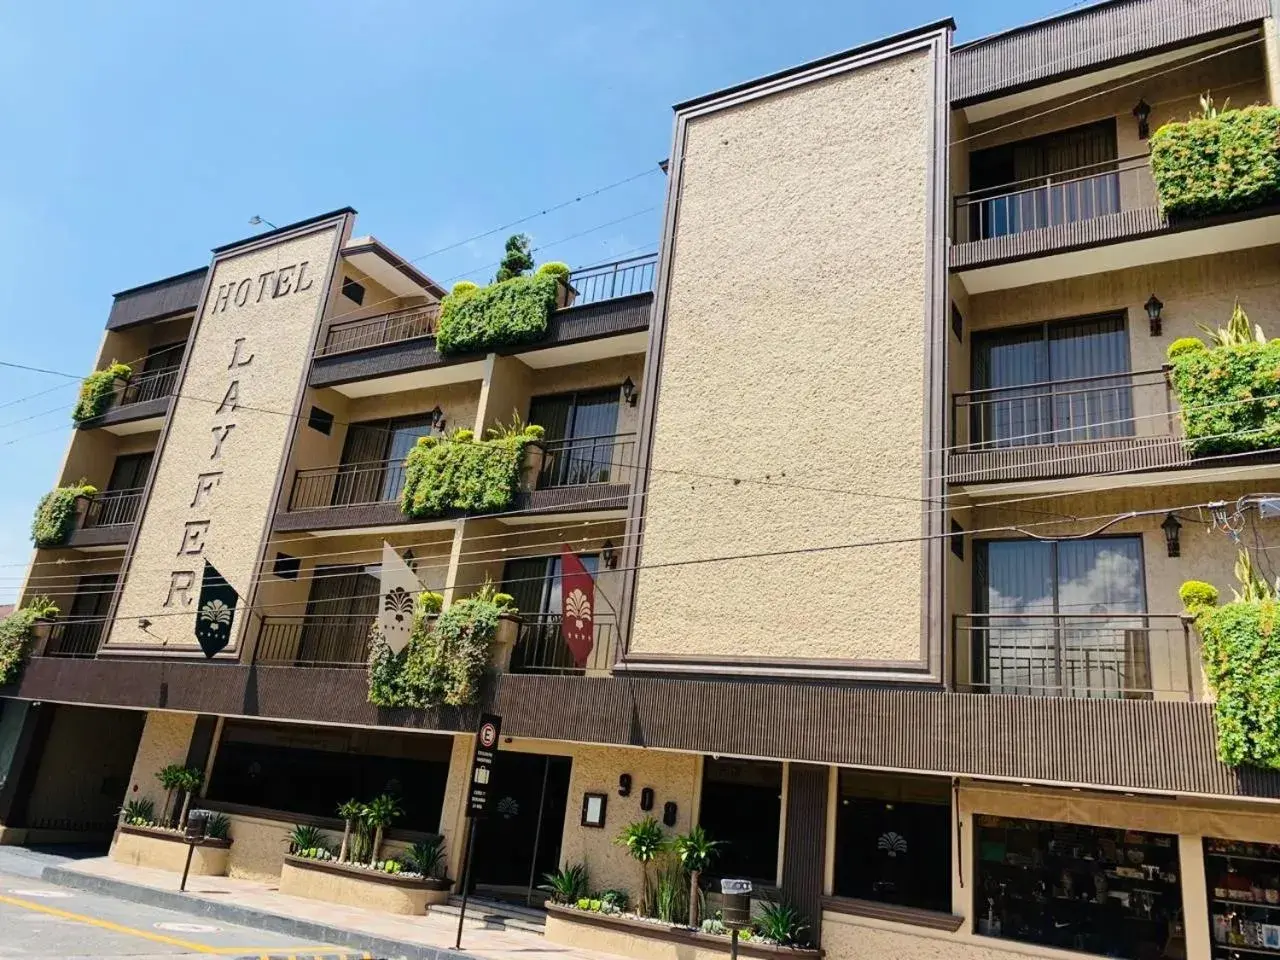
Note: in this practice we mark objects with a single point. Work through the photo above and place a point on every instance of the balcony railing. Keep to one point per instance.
(338, 640)
(1135, 656)
(75, 638)
(586, 460)
(1105, 407)
(112, 508)
(387, 328)
(608, 281)
(1070, 196)
(149, 385)
(540, 646)
(347, 485)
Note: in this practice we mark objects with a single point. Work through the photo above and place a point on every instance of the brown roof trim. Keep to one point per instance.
(287, 228)
(379, 249)
(914, 916)
(176, 278)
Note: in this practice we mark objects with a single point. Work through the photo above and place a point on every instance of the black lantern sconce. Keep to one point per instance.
(646, 799)
(669, 811)
(609, 553)
(1142, 113)
(629, 392)
(1153, 306)
(437, 419)
(624, 785)
(1172, 539)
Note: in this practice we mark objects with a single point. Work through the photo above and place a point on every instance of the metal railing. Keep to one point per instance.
(75, 638)
(586, 460)
(541, 648)
(1130, 655)
(1103, 407)
(150, 385)
(112, 508)
(347, 485)
(338, 640)
(1069, 196)
(608, 281)
(387, 328)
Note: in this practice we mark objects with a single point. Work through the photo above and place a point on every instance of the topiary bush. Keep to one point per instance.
(505, 314)
(55, 518)
(16, 633)
(464, 287)
(1230, 397)
(1218, 164)
(1197, 593)
(461, 473)
(555, 268)
(1184, 345)
(517, 258)
(96, 391)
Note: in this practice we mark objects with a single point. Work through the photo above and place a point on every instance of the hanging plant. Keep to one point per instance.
(16, 633)
(462, 473)
(1220, 162)
(96, 391)
(55, 518)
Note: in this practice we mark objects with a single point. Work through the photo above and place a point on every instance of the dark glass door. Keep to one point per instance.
(535, 583)
(80, 631)
(580, 436)
(340, 613)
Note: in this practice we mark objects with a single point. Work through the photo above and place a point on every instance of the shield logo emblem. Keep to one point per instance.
(215, 611)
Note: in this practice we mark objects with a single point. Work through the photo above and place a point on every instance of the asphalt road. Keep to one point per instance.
(39, 921)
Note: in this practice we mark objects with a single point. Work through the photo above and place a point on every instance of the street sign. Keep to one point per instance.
(487, 735)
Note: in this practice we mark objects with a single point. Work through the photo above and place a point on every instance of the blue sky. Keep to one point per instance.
(139, 135)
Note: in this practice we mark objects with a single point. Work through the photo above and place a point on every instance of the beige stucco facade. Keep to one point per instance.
(166, 738)
(168, 852)
(791, 379)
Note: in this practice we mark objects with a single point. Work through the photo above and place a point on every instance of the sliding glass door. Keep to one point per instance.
(580, 436)
(372, 468)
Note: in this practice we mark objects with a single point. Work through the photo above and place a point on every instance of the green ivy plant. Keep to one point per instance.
(1242, 664)
(506, 313)
(96, 391)
(17, 630)
(1223, 161)
(462, 473)
(445, 660)
(55, 518)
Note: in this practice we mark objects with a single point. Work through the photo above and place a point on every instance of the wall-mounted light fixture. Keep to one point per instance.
(1153, 306)
(1172, 531)
(1142, 113)
(437, 418)
(629, 392)
(610, 554)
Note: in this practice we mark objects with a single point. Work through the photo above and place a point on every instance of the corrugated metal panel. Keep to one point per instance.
(129, 413)
(1088, 39)
(1068, 459)
(1137, 745)
(164, 298)
(804, 846)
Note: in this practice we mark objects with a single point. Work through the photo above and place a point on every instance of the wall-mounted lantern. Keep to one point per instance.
(629, 392)
(1142, 113)
(1172, 539)
(669, 810)
(1153, 306)
(437, 418)
(609, 553)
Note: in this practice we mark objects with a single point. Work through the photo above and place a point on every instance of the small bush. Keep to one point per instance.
(218, 827)
(139, 812)
(568, 885)
(505, 600)
(430, 601)
(464, 287)
(96, 391)
(55, 518)
(1197, 593)
(1218, 164)
(427, 857)
(1184, 345)
(517, 258)
(463, 436)
(555, 269)
(305, 839)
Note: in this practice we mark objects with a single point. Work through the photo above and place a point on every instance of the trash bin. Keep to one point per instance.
(736, 911)
(197, 821)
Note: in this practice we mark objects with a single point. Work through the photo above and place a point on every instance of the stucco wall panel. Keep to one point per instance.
(794, 355)
(165, 740)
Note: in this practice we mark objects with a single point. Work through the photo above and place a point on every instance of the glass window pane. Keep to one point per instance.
(742, 808)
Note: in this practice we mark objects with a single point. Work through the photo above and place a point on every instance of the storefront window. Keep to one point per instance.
(893, 840)
(1116, 893)
(1244, 898)
(742, 808)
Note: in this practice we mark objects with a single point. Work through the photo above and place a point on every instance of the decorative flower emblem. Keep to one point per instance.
(578, 607)
(508, 807)
(398, 602)
(892, 843)
(216, 612)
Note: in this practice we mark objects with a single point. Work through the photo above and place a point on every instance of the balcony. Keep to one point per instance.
(75, 638)
(340, 640)
(138, 406)
(540, 647)
(1130, 656)
(108, 519)
(592, 473)
(397, 351)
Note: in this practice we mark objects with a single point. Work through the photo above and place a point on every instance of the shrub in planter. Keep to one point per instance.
(1218, 163)
(96, 390)
(16, 633)
(517, 258)
(461, 473)
(55, 518)
(555, 268)
(506, 313)
(1184, 345)
(1230, 397)
(568, 885)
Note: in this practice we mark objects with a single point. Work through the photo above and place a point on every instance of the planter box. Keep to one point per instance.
(166, 850)
(534, 455)
(565, 295)
(353, 887)
(644, 940)
(504, 641)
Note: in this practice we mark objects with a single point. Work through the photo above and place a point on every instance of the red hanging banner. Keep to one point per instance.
(577, 606)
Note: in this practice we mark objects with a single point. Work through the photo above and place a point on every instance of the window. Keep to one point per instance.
(1244, 897)
(321, 420)
(1098, 890)
(957, 323)
(310, 770)
(82, 628)
(1058, 382)
(1060, 616)
(893, 840)
(129, 472)
(352, 290)
(742, 808)
(342, 604)
(535, 584)
(286, 567)
(372, 469)
(957, 540)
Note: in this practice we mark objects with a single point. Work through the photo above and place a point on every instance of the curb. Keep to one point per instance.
(303, 930)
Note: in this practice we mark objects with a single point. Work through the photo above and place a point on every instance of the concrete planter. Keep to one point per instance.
(534, 455)
(504, 641)
(166, 850)
(354, 887)
(565, 295)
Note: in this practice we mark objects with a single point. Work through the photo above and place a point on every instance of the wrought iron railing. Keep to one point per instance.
(541, 647)
(1069, 196)
(386, 328)
(337, 640)
(75, 638)
(1130, 655)
(1103, 407)
(608, 281)
(347, 485)
(112, 508)
(149, 385)
(586, 460)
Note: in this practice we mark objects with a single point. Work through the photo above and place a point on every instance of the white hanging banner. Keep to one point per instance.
(400, 588)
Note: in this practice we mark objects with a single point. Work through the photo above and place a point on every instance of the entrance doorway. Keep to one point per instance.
(520, 839)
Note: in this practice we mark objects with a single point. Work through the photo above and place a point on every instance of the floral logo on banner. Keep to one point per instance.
(508, 807)
(578, 607)
(892, 843)
(399, 603)
(216, 612)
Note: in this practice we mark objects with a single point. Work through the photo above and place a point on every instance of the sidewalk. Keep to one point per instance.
(262, 905)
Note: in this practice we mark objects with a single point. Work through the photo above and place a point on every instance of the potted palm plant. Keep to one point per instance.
(644, 840)
(696, 851)
(377, 816)
(350, 813)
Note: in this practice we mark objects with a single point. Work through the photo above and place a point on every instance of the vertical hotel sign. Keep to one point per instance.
(228, 433)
